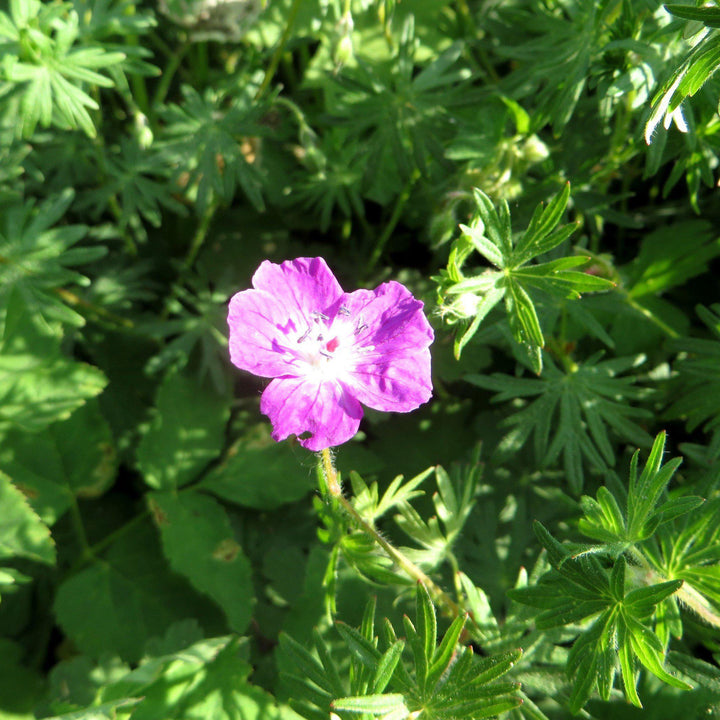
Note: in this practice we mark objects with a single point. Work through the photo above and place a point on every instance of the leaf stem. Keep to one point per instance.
(79, 527)
(109, 539)
(412, 570)
(392, 223)
(168, 75)
(201, 233)
(635, 305)
(275, 60)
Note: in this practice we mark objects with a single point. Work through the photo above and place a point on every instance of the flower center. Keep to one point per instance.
(326, 346)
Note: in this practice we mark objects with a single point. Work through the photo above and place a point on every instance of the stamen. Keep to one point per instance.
(360, 327)
(318, 315)
(304, 337)
(325, 354)
(342, 310)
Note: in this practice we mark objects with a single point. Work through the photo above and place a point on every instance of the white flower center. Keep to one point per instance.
(328, 347)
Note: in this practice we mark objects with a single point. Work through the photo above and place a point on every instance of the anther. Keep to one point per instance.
(304, 337)
(318, 315)
(342, 310)
(325, 354)
(360, 328)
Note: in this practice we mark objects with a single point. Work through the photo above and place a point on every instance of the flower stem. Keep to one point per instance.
(394, 219)
(277, 55)
(412, 570)
(201, 233)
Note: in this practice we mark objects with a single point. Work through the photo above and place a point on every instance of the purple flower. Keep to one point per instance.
(327, 350)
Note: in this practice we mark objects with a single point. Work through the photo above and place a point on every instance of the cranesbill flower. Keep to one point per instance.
(328, 351)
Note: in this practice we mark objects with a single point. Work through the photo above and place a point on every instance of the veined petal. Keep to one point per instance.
(259, 332)
(388, 320)
(302, 286)
(323, 408)
(396, 383)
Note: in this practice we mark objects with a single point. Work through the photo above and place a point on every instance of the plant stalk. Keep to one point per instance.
(412, 570)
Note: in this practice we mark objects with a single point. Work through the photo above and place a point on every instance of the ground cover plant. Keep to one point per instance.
(359, 359)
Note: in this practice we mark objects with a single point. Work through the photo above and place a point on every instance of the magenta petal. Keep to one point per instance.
(392, 369)
(299, 405)
(302, 286)
(259, 325)
(399, 383)
(391, 318)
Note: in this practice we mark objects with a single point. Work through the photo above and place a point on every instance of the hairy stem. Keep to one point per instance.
(408, 567)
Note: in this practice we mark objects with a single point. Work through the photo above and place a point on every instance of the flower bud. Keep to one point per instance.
(343, 51)
(535, 150)
(144, 134)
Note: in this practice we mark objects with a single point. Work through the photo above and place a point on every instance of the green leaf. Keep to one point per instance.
(115, 605)
(104, 711)
(22, 533)
(49, 69)
(38, 384)
(386, 666)
(698, 396)
(186, 433)
(205, 680)
(199, 542)
(374, 704)
(74, 458)
(644, 493)
(259, 472)
(468, 300)
(426, 623)
(709, 16)
(572, 412)
(704, 674)
(203, 136)
(36, 256)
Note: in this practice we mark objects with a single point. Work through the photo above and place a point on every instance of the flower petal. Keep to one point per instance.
(259, 328)
(399, 383)
(302, 286)
(299, 405)
(388, 319)
(392, 360)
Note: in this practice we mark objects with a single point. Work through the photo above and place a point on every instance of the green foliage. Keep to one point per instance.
(46, 68)
(206, 678)
(208, 139)
(38, 384)
(444, 681)
(695, 70)
(402, 117)
(70, 459)
(22, 533)
(620, 633)
(470, 299)
(34, 257)
(624, 614)
(163, 557)
(186, 432)
(198, 541)
(573, 412)
(699, 381)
